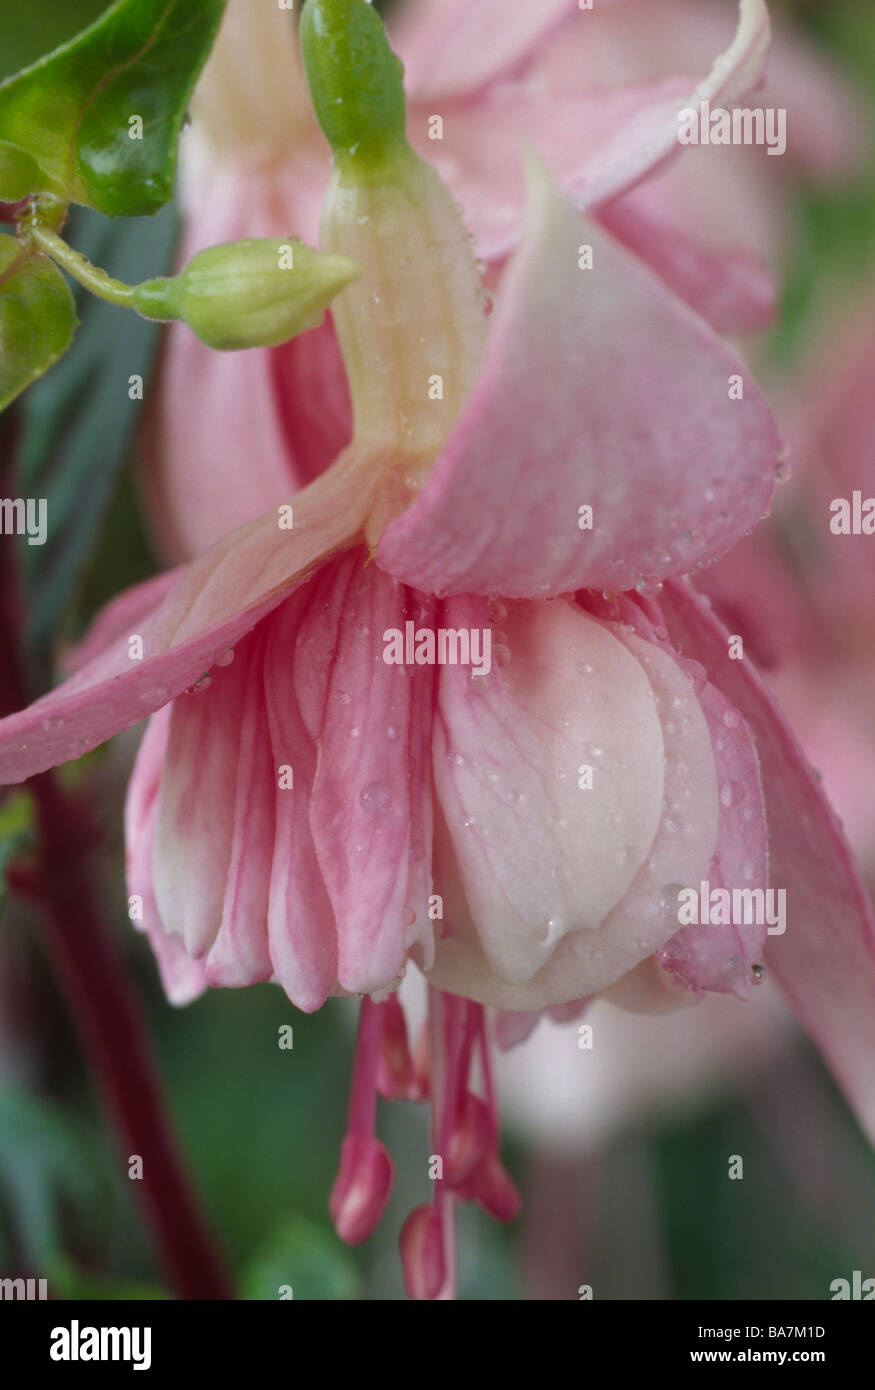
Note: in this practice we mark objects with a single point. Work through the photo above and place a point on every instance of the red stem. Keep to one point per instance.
(111, 1028)
(102, 1003)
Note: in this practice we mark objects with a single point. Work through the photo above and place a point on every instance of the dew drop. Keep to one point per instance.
(375, 798)
(200, 685)
(497, 610)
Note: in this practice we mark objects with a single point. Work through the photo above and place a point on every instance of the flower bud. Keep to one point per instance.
(243, 294)
(361, 1188)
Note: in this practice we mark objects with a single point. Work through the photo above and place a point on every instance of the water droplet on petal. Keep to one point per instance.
(200, 685)
(375, 798)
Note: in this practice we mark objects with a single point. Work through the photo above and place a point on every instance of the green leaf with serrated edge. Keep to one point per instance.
(37, 317)
(101, 116)
(301, 1260)
(77, 424)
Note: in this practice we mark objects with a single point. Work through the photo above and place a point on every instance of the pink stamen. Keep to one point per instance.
(423, 1254)
(397, 1075)
(364, 1181)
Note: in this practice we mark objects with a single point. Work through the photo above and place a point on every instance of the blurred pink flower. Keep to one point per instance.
(801, 594)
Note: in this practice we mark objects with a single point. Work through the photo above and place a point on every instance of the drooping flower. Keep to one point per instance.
(306, 811)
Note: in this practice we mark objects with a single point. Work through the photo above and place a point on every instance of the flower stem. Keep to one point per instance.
(113, 1035)
(102, 1003)
(79, 266)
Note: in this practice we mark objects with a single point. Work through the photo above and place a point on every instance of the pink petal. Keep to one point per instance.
(825, 963)
(598, 388)
(452, 47)
(196, 820)
(122, 615)
(598, 141)
(182, 977)
(303, 936)
(368, 817)
(218, 450)
(239, 954)
(521, 864)
(251, 99)
(713, 956)
(731, 290)
(507, 748)
(214, 602)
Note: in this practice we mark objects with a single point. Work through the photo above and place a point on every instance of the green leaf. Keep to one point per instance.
(49, 1165)
(75, 111)
(37, 317)
(29, 31)
(305, 1258)
(67, 1281)
(77, 423)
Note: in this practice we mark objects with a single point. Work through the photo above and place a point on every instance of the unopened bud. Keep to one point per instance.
(361, 1188)
(243, 294)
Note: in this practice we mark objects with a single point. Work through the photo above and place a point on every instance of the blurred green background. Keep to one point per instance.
(645, 1213)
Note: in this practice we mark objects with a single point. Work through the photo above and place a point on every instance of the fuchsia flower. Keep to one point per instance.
(303, 811)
